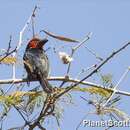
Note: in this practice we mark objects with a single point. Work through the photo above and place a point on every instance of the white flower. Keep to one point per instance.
(65, 57)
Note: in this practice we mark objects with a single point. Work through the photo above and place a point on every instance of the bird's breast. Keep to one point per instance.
(39, 61)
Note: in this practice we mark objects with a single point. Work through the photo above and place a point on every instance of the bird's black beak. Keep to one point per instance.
(42, 42)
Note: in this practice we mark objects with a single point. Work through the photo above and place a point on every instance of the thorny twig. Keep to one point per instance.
(73, 51)
(32, 19)
(8, 52)
(9, 47)
(26, 122)
(78, 46)
(96, 69)
(95, 54)
(115, 88)
(85, 70)
(16, 81)
(20, 39)
(42, 114)
(82, 120)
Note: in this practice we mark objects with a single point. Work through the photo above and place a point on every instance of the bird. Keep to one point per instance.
(36, 63)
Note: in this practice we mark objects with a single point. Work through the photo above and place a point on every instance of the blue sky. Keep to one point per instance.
(108, 20)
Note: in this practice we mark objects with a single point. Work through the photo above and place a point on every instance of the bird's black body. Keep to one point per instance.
(37, 65)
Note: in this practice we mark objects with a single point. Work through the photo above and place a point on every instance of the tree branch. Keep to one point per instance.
(20, 39)
(96, 69)
(76, 47)
(16, 81)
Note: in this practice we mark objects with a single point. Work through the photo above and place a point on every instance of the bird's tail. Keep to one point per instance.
(47, 87)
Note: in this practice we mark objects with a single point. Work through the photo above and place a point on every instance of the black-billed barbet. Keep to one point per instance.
(36, 63)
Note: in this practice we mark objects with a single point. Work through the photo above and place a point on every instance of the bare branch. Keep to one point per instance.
(115, 88)
(9, 47)
(97, 68)
(73, 51)
(95, 54)
(42, 114)
(76, 47)
(16, 81)
(8, 51)
(21, 37)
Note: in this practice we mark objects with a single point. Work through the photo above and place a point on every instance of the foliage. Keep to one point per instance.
(8, 60)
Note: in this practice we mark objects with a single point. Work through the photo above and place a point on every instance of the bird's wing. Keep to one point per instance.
(38, 65)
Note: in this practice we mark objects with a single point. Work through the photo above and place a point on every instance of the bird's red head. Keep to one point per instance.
(37, 43)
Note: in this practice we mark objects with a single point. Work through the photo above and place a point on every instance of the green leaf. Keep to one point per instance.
(94, 90)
